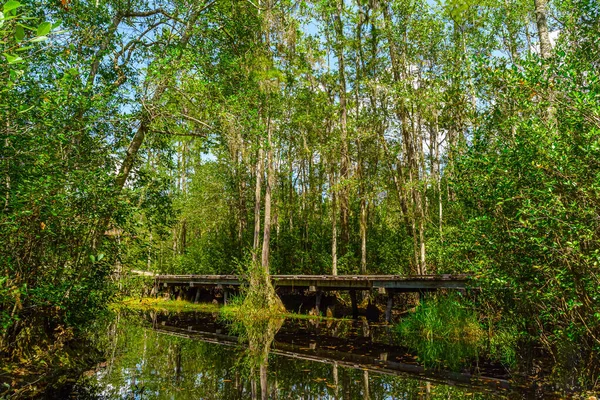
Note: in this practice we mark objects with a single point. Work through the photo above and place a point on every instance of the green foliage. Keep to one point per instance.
(50, 267)
(449, 331)
(17, 37)
(504, 342)
(529, 188)
(444, 331)
(260, 299)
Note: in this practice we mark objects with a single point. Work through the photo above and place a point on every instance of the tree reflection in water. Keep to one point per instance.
(198, 356)
(259, 334)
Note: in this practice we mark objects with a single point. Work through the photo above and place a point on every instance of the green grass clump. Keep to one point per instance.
(158, 304)
(448, 332)
(443, 332)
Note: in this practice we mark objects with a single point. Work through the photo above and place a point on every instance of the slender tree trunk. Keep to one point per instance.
(344, 170)
(264, 382)
(363, 236)
(366, 395)
(333, 223)
(363, 213)
(336, 381)
(253, 388)
(422, 203)
(542, 26)
(268, 191)
(257, 196)
(438, 173)
(7, 173)
(545, 51)
(359, 67)
(408, 131)
(242, 211)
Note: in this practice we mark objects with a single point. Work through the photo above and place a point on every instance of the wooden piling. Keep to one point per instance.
(318, 297)
(390, 305)
(354, 304)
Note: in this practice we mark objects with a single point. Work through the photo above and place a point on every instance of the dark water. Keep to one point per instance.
(199, 356)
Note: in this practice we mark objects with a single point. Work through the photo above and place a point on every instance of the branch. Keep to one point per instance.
(255, 6)
(170, 133)
(162, 11)
(190, 118)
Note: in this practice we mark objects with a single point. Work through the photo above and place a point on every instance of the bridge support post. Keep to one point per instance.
(354, 304)
(225, 296)
(154, 291)
(390, 305)
(197, 297)
(318, 297)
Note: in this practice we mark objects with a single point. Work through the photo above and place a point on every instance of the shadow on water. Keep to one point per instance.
(199, 355)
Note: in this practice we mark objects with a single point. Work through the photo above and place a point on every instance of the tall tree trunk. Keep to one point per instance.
(363, 235)
(408, 144)
(366, 395)
(264, 382)
(336, 381)
(545, 52)
(363, 211)
(542, 26)
(359, 67)
(438, 174)
(422, 203)
(257, 196)
(333, 223)
(268, 190)
(7, 173)
(344, 170)
(242, 210)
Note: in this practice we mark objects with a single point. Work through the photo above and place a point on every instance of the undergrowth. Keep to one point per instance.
(447, 332)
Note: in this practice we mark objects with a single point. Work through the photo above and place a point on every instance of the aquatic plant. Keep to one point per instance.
(448, 331)
(443, 331)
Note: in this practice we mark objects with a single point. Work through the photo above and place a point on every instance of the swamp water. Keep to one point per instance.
(194, 355)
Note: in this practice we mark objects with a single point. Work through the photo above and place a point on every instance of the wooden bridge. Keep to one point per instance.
(401, 283)
(383, 284)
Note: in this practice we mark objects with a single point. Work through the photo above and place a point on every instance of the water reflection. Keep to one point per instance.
(193, 355)
(259, 335)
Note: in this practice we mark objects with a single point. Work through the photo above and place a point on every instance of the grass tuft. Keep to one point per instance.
(443, 332)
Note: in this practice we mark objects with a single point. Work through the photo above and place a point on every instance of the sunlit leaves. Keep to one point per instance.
(19, 33)
(44, 28)
(11, 5)
(13, 59)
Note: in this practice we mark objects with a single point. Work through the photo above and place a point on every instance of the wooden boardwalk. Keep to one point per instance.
(189, 286)
(400, 283)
